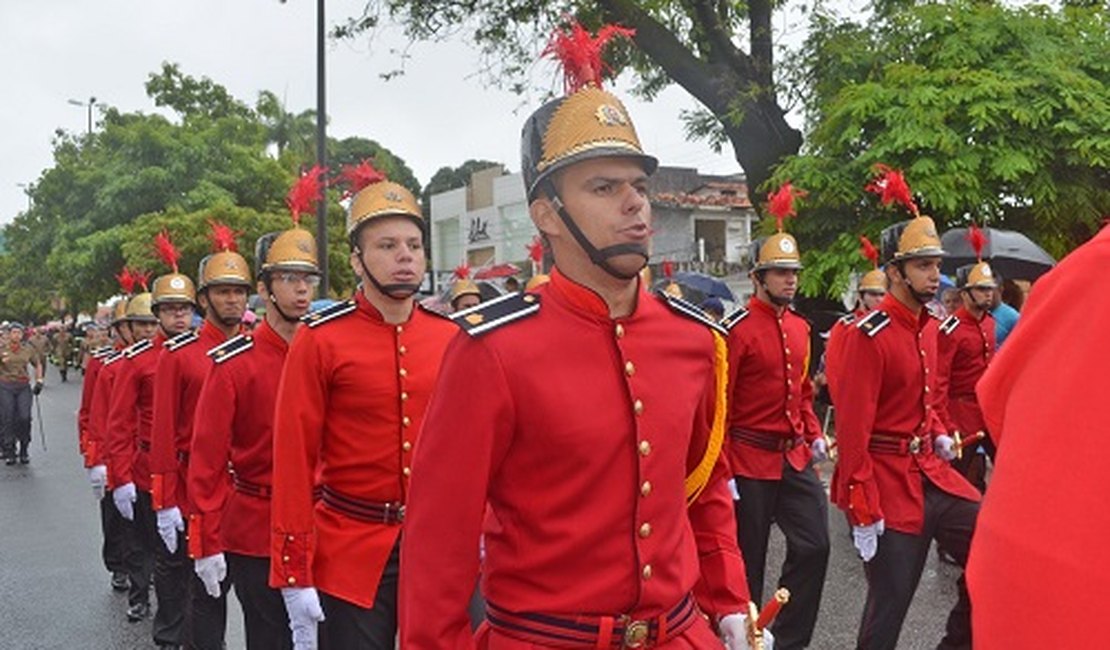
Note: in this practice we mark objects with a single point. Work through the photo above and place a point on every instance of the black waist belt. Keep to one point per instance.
(390, 512)
(766, 439)
(251, 488)
(899, 445)
(622, 631)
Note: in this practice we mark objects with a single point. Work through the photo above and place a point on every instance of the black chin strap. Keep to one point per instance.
(395, 291)
(284, 316)
(599, 257)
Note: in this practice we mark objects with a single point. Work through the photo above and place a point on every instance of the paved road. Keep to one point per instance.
(56, 593)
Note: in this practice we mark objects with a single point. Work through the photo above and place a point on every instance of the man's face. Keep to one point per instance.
(292, 291)
(226, 303)
(780, 285)
(607, 198)
(15, 335)
(392, 248)
(871, 299)
(123, 331)
(922, 274)
(141, 330)
(466, 301)
(951, 299)
(175, 317)
(980, 297)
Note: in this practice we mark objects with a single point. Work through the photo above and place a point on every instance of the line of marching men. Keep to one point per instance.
(577, 458)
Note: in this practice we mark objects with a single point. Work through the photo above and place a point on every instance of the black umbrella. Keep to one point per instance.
(708, 285)
(1011, 254)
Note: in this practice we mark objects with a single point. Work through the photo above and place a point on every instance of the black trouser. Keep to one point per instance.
(893, 574)
(15, 417)
(113, 525)
(264, 617)
(347, 626)
(140, 550)
(798, 504)
(205, 616)
(171, 577)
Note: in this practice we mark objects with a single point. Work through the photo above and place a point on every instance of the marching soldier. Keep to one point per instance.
(351, 400)
(965, 349)
(772, 430)
(610, 511)
(16, 394)
(892, 480)
(120, 557)
(229, 531)
(63, 351)
(871, 290)
(41, 344)
(128, 442)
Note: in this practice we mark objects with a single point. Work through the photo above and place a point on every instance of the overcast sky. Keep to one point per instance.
(438, 114)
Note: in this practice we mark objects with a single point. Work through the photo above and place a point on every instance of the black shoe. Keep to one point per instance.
(11, 460)
(136, 613)
(24, 459)
(120, 581)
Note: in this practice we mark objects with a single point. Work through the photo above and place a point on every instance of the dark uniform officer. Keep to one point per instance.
(772, 427)
(16, 394)
(897, 492)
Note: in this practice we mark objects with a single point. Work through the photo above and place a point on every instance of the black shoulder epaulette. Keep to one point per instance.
(138, 348)
(102, 352)
(231, 347)
(690, 310)
(495, 313)
(181, 340)
(331, 312)
(874, 322)
(113, 357)
(950, 324)
(847, 319)
(730, 320)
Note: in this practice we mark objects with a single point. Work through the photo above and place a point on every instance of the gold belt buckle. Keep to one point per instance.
(635, 634)
(915, 445)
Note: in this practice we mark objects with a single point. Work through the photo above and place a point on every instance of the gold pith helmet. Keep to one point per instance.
(383, 199)
(173, 287)
(139, 308)
(778, 251)
(873, 280)
(536, 280)
(911, 239)
(464, 287)
(976, 275)
(119, 311)
(289, 250)
(224, 267)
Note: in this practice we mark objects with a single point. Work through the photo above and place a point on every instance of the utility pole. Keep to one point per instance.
(321, 149)
(89, 106)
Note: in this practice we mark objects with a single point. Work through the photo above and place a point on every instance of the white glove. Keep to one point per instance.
(211, 569)
(125, 496)
(734, 633)
(733, 490)
(866, 539)
(98, 478)
(945, 447)
(820, 449)
(169, 522)
(303, 606)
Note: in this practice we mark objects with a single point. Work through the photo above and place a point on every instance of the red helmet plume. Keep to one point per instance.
(222, 237)
(142, 277)
(579, 53)
(462, 271)
(126, 280)
(978, 240)
(869, 251)
(165, 250)
(304, 194)
(356, 177)
(668, 269)
(535, 249)
(781, 203)
(891, 186)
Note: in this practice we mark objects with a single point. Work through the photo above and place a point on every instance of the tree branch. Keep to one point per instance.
(720, 40)
(759, 12)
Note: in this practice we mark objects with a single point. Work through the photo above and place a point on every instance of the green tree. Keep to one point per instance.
(721, 52)
(449, 178)
(285, 129)
(997, 114)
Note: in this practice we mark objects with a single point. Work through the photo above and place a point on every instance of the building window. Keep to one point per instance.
(709, 236)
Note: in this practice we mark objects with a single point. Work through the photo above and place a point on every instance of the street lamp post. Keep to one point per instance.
(89, 105)
(321, 149)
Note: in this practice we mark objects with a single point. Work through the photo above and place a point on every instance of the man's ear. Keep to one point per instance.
(545, 217)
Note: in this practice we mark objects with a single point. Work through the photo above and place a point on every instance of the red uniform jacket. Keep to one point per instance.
(887, 386)
(577, 430)
(770, 390)
(965, 348)
(1037, 562)
(234, 428)
(130, 415)
(96, 442)
(182, 366)
(833, 344)
(350, 403)
(88, 387)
